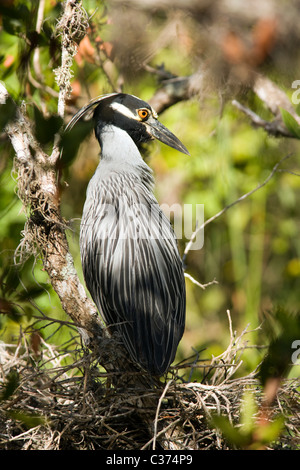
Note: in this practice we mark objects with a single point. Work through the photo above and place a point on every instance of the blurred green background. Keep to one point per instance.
(253, 249)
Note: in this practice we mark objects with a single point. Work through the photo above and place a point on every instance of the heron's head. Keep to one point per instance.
(131, 114)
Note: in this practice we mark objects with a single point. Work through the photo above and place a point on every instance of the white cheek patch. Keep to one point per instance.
(154, 113)
(123, 110)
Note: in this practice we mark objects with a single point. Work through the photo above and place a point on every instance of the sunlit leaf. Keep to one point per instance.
(248, 412)
(291, 123)
(231, 433)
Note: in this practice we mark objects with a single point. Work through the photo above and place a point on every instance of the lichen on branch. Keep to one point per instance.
(72, 27)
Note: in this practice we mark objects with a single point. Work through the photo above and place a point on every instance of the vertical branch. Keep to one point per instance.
(36, 54)
(72, 28)
(44, 230)
(68, 49)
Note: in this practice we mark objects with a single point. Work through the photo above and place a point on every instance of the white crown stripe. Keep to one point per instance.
(123, 110)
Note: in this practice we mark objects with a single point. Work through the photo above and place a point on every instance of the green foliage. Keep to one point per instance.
(282, 329)
(20, 40)
(291, 123)
(30, 420)
(8, 113)
(46, 127)
(71, 141)
(250, 433)
(12, 383)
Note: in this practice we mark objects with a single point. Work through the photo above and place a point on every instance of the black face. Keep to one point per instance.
(122, 110)
(131, 114)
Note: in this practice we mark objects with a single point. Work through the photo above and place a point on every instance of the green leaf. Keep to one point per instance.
(12, 383)
(283, 328)
(72, 139)
(29, 420)
(291, 123)
(230, 432)
(14, 19)
(46, 128)
(270, 432)
(7, 113)
(248, 412)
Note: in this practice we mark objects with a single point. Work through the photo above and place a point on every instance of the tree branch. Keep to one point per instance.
(275, 128)
(71, 27)
(44, 230)
(274, 99)
(176, 89)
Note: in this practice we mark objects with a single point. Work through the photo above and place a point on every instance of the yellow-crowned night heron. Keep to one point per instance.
(129, 253)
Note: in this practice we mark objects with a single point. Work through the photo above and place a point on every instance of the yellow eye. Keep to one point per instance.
(143, 113)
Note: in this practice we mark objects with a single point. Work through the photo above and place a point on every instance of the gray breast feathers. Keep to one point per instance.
(133, 269)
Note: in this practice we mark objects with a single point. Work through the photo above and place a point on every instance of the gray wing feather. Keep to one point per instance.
(133, 269)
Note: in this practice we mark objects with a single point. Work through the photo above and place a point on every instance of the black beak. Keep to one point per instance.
(160, 132)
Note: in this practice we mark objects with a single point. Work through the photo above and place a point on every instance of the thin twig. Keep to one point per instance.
(276, 127)
(157, 412)
(203, 286)
(237, 201)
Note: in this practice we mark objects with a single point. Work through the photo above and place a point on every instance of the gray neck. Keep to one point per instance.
(118, 146)
(120, 153)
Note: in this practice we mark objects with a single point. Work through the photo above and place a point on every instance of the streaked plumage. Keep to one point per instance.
(129, 253)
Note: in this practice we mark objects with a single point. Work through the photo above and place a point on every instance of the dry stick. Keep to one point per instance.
(39, 81)
(36, 54)
(225, 209)
(163, 431)
(40, 194)
(203, 286)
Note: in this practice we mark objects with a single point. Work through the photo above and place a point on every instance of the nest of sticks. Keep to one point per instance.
(62, 399)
